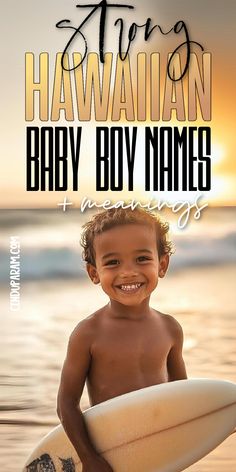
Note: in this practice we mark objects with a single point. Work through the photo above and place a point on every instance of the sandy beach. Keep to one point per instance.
(34, 346)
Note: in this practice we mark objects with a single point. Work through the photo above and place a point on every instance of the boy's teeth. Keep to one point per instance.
(130, 287)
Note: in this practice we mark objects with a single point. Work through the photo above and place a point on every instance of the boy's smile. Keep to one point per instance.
(127, 263)
(130, 287)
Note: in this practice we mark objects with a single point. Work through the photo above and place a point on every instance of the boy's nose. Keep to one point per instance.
(128, 270)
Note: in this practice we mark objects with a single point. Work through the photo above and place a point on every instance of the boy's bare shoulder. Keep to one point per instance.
(172, 325)
(86, 329)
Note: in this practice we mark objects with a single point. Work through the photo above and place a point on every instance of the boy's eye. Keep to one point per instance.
(143, 258)
(112, 262)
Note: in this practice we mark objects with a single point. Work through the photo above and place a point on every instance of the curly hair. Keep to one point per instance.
(107, 219)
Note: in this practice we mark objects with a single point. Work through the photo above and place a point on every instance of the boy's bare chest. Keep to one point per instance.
(131, 345)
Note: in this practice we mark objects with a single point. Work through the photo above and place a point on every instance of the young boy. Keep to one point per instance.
(126, 345)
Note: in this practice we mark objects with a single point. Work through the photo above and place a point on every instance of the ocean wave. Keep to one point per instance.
(200, 251)
(48, 263)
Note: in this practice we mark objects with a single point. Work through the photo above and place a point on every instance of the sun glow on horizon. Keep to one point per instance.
(218, 154)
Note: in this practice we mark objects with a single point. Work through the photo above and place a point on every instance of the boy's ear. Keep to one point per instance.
(92, 272)
(163, 266)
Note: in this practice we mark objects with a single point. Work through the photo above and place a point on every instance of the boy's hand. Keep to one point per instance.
(96, 464)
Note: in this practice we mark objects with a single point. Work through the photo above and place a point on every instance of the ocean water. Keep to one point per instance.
(199, 291)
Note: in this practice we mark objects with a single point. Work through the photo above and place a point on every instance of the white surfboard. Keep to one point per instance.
(162, 428)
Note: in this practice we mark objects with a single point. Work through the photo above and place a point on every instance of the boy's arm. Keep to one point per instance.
(175, 363)
(73, 378)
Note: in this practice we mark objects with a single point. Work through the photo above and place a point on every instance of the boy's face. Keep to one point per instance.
(127, 263)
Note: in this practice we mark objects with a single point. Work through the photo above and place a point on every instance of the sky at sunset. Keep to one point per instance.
(30, 27)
